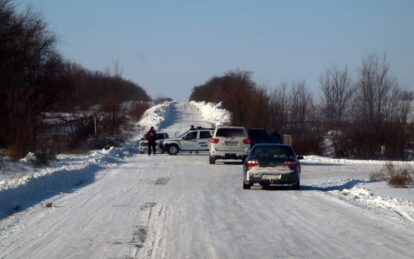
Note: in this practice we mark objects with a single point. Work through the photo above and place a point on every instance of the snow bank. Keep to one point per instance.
(213, 113)
(394, 208)
(30, 157)
(313, 159)
(155, 115)
(62, 175)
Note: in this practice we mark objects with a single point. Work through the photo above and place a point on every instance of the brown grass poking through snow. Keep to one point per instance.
(397, 176)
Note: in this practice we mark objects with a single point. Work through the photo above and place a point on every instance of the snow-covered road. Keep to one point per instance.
(182, 207)
(180, 117)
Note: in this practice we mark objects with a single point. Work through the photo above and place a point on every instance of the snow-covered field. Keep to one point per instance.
(118, 204)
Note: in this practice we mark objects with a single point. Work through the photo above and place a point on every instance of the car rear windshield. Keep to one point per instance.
(270, 152)
(230, 133)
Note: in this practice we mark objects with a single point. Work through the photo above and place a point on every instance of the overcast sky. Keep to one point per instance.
(168, 47)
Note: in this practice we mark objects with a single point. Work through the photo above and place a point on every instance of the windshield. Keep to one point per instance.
(271, 152)
(182, 135)
(230, 133)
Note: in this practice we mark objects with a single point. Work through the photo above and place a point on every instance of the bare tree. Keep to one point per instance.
(35, 79)
(377, 91)
(303, 119)
(279, 107)
(26, 49)
(161, 99)
(301, 106)
(239, 94)
(337, 90)
(380, 111)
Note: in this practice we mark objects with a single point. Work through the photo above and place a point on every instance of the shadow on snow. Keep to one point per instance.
(346, 185)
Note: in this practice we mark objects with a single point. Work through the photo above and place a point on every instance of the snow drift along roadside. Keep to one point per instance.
(64, 176)
(314, 159)
(155, 115)
(213, 113)
(391, 207)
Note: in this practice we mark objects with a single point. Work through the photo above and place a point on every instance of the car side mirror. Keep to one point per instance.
(300, 157)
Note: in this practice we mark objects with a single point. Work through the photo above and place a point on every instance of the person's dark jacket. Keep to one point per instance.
(151, 136)
(276, 136)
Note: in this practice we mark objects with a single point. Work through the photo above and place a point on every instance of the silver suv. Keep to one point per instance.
(229, 142)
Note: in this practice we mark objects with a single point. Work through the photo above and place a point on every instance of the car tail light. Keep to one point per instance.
(247, 141)
(290, 165)
(214, 140)
(252, 163)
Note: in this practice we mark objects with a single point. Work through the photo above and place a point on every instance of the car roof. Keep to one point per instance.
(256, 129)
(195, 129)
(230, 127)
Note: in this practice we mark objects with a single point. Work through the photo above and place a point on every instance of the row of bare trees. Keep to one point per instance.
(366, 117)
(35, 79)
(237, 91)
(371, 113)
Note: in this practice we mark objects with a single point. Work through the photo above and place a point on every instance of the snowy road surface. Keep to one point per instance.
(182, 207)
(180, 118)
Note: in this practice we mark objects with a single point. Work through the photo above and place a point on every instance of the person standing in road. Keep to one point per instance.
(151, 138)
(276, 136)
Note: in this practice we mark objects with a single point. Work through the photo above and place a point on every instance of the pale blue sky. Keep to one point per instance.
(170, 46)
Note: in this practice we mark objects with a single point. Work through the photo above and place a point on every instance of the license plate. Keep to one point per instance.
(231, 143)
(271, 177)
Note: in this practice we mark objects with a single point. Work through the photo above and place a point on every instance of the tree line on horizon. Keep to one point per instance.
(364, 117)
(35, 79)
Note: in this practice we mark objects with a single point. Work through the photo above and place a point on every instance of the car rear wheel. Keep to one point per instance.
(172, 149)
(211, 160)
(296, 186)
(246, 186)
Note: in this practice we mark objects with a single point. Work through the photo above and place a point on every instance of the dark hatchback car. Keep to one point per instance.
(268, 164)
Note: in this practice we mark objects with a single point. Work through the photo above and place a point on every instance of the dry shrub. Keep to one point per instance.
(402, 176)
(138, 110)
(384, 174)
(42, 159)
(306, 144)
